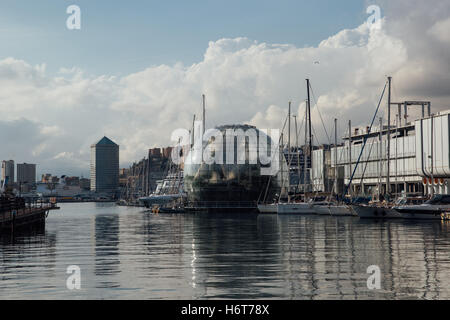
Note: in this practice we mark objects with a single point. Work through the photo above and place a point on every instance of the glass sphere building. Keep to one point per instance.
(236, 166)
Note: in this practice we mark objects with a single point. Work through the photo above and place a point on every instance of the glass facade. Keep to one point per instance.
(230, 168)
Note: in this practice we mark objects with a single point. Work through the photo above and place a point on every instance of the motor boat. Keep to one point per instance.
(431, 209)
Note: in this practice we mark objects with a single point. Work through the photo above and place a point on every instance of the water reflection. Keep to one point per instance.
(107, 262)
(130, 253)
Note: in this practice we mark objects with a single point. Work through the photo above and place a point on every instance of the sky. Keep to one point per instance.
(136, 71)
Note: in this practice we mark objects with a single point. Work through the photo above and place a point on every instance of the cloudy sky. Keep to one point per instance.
(135, 72)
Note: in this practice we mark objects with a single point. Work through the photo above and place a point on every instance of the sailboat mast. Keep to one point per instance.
(305, 152)
(309, 121)
(380, 160)
(289, 147)
(335, 157)
(298, 154)
(350, 157)
(388, 182)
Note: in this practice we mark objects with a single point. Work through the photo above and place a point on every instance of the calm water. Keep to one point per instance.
(128, 253)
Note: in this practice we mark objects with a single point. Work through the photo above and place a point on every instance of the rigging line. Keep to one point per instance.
(365, 139)
(320, 115)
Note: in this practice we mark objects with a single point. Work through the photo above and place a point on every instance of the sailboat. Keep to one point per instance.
(378, 209)
(333, 207)
(301, 207)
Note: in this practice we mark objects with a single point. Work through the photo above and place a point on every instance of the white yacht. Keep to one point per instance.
(167, 190)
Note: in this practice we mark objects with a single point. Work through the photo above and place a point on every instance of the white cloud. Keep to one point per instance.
(52, 120)
(441, 31)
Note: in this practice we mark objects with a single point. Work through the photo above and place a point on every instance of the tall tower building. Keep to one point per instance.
(8, 170)
(105, 166)
(26, 173)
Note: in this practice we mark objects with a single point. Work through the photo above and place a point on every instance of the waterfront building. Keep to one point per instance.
(235, 184)
(26, 173)
(105, 166)
(8, 170)
(419, 158)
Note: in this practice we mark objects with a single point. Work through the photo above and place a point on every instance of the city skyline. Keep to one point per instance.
(248, 76)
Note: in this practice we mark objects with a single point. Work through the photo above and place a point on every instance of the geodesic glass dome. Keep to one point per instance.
(236, 164)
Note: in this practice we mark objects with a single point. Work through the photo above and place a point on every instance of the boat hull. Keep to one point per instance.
(420, 212)
(373, 212)
(267, 208)
(295, 208)
(322, 210)
(341, 210)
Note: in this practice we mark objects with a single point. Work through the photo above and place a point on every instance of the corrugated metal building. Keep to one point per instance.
(412, 150)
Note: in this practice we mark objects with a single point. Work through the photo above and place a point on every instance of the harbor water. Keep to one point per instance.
(130, 253)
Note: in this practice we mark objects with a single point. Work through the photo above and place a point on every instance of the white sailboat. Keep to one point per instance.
(301, 207)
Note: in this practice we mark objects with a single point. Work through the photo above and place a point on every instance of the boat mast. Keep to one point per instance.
(432, 157)
(380, 163)
(309, 122)
(297, 150)
(335, 157)
(308, 105)
(282, 163)
(397, 120)
(305, 152)
(350, 156)
(388, 182)
(289, 148)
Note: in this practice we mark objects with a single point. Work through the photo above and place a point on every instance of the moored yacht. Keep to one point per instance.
(431, 209)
